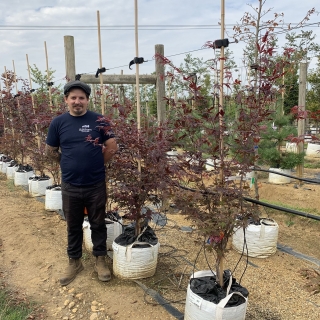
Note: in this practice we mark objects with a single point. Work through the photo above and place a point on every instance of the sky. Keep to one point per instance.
(182, 26)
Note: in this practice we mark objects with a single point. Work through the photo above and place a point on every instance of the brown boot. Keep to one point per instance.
(102, 269)
(74, 267)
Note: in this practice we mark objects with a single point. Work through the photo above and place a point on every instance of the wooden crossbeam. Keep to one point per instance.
(119, 79)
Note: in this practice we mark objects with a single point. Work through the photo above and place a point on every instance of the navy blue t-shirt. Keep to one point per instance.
(81, 161)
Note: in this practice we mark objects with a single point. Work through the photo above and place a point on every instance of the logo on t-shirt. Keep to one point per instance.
(85, 128)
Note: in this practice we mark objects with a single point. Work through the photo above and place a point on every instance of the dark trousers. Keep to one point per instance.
(74, 200)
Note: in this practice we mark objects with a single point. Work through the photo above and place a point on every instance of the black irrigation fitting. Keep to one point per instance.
(264, 204)
(136, 60)
(49, 84)
(78, 77)
(32, 90)
(100, 70)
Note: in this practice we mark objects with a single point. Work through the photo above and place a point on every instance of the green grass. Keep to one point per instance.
(11, 309)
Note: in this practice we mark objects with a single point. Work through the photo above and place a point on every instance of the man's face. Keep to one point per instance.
(77, 102)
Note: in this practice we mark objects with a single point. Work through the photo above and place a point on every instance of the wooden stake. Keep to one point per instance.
(137, 71)
(100, 59)
(48, 75)
(15, 82)
(32, 100)
(2, 112)
(7, 89)
(302, 105)
(30, 82)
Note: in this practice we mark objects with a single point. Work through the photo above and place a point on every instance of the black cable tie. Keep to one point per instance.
(136, 60)
(50, 84)
(100, 70)
(32, 90)
(78, 76)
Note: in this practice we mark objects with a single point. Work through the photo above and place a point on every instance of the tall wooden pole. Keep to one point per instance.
(15, 82)
(160, 85)
(137, 71)
(32, 101)
(69, 58)
(302, 105)
(30, 81)
(100, 61)
(137, 65)
(48, 75)
(221, 100)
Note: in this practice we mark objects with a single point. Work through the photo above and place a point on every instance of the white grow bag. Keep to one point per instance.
(11, 172)
(277, 178)
(197, 308)
(4, 166)
(135, 263)
(313, 150)
(114, 229)
(22, 178)
(261, 239)
(53, 200)
(38, 187)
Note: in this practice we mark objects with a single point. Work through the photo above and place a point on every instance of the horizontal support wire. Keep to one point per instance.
(265, 204)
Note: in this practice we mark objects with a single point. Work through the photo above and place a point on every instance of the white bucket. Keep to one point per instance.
(277, 178)
(313, 150)
(53, 200)
(11, 171)
(38, 187)
(135, 263)
(114, 229)
(22, 178)
(261, 239)
(197, 308)
(4, 166)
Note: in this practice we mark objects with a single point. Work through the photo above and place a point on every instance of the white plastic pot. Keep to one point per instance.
(53, 200)
(313, 150)
(38, 187)
(11, 171)
(197, 308)
(114, 229)
(4, 166)
(22, 178)
(261, 240)
(131, 262)
(277, 178)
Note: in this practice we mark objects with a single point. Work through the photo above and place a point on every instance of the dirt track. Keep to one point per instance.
(33, 253)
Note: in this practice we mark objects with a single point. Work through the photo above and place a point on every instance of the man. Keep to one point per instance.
(83, 175)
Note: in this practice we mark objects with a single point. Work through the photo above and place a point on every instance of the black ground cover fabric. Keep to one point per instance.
(208, 289)
(128, 236)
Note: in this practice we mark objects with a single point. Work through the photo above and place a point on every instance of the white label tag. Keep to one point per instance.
(195, 299)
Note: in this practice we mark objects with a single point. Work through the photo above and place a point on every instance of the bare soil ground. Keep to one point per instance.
(33, 254)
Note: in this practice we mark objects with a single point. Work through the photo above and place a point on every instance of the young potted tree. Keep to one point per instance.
(272, 152)
(210, 199)
(140, 171)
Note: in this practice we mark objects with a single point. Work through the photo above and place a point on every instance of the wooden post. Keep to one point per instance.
(160, 86)
(100, 61)
(48, 75)
(302, 105)
(30, 81)
(137, 64)
(15, 82)
(69, 58)
(32, 101)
